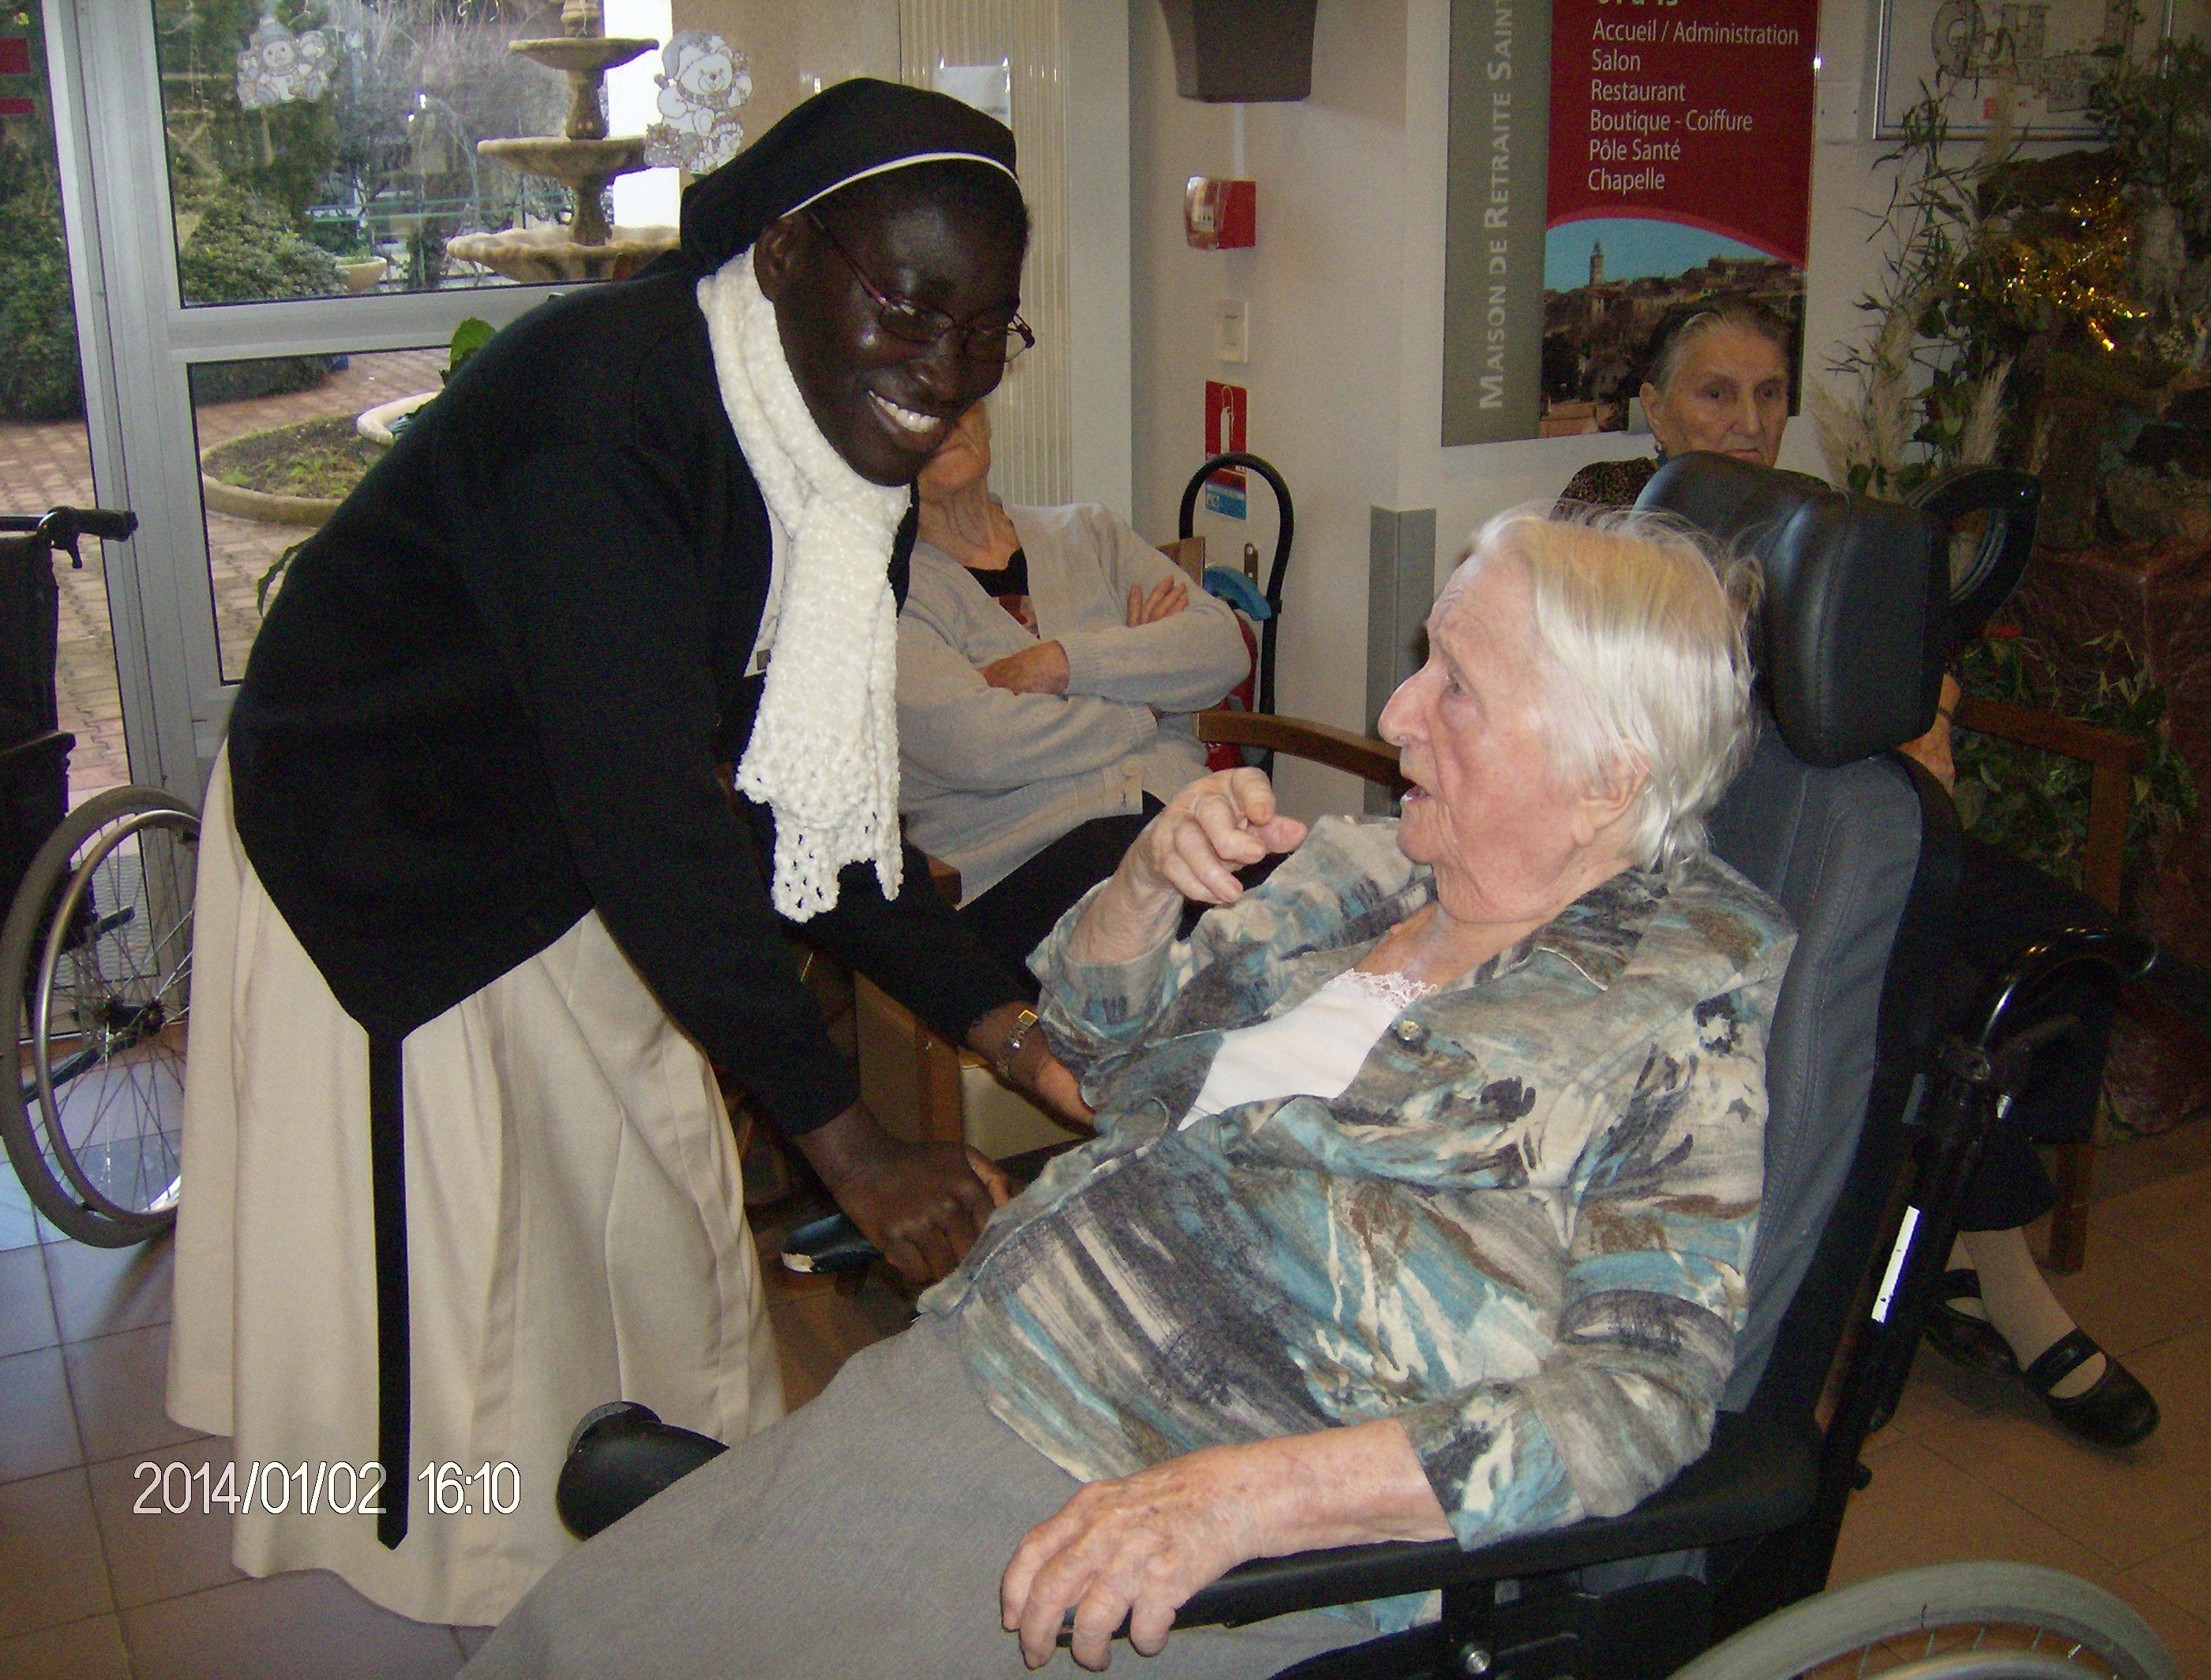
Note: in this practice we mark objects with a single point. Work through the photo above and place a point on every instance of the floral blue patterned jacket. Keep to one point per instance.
(1522, 1230)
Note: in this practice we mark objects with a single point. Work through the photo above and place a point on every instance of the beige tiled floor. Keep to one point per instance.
(1969, 1468)
(1972, 1467)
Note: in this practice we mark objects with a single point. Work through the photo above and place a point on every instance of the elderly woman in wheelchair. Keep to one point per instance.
(1421, 1204)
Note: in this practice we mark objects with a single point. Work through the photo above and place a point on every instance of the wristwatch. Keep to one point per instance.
(1025, 1027)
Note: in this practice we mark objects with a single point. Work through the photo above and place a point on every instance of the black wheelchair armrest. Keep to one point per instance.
(1756, 1477)
(620, 1455)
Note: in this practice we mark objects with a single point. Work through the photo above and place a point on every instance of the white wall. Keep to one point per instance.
(1345, 290)
(1324, 286)
(1097, 255)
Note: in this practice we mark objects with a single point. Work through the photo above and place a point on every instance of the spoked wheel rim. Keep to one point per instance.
(1978, 1620)
(110, 1012)
(1986, 1651)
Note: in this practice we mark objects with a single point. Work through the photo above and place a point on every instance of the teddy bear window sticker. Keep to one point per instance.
(702, 81)
(278, 67)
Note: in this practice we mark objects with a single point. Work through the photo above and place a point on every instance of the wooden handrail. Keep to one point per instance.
(1339, 749)
(2112, 759)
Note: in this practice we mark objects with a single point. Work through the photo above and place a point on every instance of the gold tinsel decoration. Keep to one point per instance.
(2065, 258)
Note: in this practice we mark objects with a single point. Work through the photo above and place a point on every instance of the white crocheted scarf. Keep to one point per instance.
(824, 750)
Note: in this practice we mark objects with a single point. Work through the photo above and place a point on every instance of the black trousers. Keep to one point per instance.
(1011, 918)
(2003, 904)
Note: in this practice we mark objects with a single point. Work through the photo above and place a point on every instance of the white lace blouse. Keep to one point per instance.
(1315, 1049)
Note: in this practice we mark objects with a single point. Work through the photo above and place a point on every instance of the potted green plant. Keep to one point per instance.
(2033, 305)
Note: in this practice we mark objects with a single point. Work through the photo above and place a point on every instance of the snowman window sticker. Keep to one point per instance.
(278, 67)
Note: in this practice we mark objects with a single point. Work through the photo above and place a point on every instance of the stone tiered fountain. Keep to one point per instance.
(584, 159)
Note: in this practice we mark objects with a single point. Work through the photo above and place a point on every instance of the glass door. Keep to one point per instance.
(45, 455)
(280, 211)
(283, 216)
(46, 459)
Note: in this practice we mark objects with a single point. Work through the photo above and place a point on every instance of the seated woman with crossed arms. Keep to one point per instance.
(1049, 660)
(1422, 1200)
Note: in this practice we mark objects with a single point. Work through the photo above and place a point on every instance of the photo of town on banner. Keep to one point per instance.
(1679, 169)
(2051, 51)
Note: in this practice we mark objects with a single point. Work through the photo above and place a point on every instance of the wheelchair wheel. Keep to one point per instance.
(1959, 1620)
(95, 971)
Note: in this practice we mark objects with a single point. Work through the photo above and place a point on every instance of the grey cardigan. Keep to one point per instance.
(989, 778)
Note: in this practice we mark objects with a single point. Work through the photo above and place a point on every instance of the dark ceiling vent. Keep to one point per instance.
(1232, 52)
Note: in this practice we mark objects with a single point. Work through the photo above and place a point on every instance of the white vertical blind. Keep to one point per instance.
(1029, 416)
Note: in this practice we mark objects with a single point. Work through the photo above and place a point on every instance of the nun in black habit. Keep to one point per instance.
(476, 913)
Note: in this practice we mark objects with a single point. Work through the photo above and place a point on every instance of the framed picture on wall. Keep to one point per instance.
(2052, 47)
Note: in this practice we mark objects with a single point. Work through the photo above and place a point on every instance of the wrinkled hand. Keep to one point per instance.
(1191, 851)
(923, 1205)
(1932, 750)
(1214, 827)
(1138, 1547)
(1141, 1545)
(1035, 1070)
(1168, 597)
(1041, 669)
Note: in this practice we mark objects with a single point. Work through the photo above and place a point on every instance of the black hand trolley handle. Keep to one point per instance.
(63, 528)
(1185, 524)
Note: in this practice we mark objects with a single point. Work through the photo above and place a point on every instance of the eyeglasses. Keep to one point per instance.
(992, 344)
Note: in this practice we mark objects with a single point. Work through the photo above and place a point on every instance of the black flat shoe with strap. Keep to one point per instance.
(2117, 1411)
(1961, 1336)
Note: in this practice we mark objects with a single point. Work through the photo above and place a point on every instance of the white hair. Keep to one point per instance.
(1640, 630)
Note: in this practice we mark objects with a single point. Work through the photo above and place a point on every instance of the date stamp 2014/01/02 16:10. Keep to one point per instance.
(334, 1488)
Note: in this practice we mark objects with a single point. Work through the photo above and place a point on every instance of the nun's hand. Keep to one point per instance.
(923, 1205)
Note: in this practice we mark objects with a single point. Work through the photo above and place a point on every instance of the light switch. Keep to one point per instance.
(1840, 121)
(1232, 330)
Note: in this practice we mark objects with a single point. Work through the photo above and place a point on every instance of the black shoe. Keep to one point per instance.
(2117, 1412)
(832, 1243)
(1961, 1336)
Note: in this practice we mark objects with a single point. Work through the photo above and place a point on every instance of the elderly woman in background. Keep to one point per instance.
(1719, 381)
(1424, 1193)
(1049, 660)
(1715, 378)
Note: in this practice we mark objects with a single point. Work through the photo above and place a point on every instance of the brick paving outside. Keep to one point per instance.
(41, 465)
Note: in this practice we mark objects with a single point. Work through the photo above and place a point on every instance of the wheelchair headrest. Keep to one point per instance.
(1850, 640)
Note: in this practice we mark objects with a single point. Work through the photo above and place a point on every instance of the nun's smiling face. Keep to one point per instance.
(883, 403)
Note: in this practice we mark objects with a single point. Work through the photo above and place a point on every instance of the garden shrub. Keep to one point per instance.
(244, 251)
(38, 374)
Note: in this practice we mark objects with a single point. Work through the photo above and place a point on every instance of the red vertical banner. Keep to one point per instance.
(1700, 114)
(1226, 407)
(15, 60)
(1679, 169)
